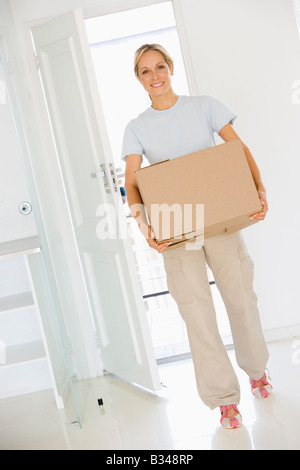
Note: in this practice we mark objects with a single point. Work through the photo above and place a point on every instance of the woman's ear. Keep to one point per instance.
(172, 69)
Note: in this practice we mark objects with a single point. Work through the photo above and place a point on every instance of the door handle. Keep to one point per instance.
(111, 173)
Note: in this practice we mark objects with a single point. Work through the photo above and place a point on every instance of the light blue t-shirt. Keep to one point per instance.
(185, 128)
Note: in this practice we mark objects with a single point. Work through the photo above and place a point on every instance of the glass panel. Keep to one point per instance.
(57, 337)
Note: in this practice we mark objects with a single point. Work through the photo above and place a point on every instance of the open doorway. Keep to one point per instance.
(113, 39)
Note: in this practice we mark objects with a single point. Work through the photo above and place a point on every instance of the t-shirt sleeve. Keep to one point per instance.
(220, 115)
(131, 144)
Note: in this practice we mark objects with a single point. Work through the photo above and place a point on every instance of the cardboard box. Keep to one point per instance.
(217, 179)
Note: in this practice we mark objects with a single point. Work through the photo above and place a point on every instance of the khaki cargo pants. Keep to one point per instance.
(232, 267)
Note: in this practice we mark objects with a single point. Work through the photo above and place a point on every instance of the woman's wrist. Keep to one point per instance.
(144, 228)
(261, 189)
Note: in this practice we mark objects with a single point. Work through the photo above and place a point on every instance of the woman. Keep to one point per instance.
(179, 125)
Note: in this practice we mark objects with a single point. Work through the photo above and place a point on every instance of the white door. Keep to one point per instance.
(94, 199)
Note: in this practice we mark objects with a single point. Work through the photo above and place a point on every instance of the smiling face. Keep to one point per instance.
(154, 73)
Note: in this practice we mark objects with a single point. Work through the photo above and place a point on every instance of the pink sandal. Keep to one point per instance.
(230, 423)
(261, 392)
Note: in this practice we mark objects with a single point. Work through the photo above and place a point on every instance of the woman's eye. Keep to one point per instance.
(144, 72)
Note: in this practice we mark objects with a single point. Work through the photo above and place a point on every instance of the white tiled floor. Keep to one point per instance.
(133, 419)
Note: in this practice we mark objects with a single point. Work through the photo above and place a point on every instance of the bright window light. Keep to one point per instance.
(129, 23)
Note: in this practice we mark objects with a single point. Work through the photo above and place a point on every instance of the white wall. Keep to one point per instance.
(247, 54)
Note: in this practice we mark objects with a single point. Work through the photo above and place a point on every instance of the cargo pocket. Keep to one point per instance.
(177, 282)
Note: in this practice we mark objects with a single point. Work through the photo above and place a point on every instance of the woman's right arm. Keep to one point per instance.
(133, 163)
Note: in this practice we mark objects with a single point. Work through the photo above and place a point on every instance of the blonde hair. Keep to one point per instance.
(151, 47)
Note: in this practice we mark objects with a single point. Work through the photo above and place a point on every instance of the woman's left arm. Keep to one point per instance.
(227, 133)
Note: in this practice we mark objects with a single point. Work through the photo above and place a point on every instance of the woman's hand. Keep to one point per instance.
(261, 215)
(150, 237)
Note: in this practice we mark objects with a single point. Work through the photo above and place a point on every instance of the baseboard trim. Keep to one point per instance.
(284, 332)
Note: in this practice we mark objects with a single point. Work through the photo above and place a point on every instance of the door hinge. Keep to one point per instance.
(36, 61)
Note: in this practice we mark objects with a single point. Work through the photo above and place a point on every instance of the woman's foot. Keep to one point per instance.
(231, 417)
(261, 388)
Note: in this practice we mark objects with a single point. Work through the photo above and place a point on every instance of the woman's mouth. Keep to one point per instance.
(157, 85)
